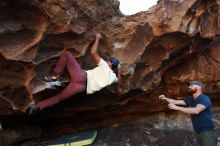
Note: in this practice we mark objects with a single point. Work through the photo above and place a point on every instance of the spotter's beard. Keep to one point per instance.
(192, 91)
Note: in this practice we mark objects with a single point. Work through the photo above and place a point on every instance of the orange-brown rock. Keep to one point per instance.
(160, 50)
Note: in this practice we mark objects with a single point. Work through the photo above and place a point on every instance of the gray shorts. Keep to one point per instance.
(207, 138)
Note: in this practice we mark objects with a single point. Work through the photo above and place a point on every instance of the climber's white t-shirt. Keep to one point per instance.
(100, 77)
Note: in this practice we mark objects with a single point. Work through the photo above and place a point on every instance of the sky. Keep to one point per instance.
(129, 7)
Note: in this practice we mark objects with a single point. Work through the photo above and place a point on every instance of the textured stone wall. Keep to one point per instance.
(160, 50)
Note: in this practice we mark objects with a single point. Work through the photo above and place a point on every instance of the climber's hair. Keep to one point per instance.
(115, 63)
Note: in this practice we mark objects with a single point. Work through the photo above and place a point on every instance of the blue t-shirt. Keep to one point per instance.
(202, 121)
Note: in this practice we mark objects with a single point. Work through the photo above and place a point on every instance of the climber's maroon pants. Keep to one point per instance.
(77, 82)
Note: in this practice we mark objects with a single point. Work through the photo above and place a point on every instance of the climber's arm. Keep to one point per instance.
(94, 51)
